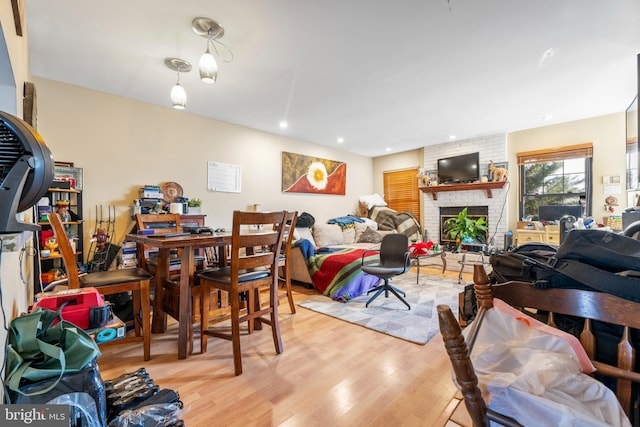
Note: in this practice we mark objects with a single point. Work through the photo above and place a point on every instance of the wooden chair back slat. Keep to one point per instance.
(588, 339)
(252, 248)
(64, 246)
(161, 224)
(284, 273)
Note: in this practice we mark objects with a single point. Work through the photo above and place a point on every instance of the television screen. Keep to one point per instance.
(555, 212)
(459, 169)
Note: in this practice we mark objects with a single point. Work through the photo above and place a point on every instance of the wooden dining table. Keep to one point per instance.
(187, 243)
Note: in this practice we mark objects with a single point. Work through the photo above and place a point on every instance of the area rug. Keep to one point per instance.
(389, 315)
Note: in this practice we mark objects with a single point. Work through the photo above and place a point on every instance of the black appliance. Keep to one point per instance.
(26, 171)
(556, 212)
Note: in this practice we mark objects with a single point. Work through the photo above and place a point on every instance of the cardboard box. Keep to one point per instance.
(113, 330)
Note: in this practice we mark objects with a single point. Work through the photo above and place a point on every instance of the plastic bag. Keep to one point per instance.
(159, 415)
(531, 371)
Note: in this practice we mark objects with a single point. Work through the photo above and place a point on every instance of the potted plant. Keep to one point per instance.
(195, 206)
(464, 229)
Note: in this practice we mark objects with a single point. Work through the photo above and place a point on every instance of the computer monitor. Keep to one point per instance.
(555, 212)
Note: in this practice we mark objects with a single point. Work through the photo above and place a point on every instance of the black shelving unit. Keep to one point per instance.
(74, 228)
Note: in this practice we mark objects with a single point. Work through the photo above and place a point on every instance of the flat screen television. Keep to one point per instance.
(555, 212)
(459, 169)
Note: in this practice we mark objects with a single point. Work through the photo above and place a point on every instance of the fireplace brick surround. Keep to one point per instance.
(491, 147)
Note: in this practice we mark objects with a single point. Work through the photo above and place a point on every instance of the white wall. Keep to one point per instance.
(123, 144)
(607, 133)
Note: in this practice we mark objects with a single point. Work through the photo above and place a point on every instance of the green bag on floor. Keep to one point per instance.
(36, 350)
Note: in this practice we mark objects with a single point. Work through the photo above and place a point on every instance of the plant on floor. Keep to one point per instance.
(464, 229)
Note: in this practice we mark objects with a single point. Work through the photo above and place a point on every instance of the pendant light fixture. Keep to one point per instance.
(212, 31)
(178, 95)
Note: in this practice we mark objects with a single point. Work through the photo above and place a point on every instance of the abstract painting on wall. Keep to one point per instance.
(304, 174)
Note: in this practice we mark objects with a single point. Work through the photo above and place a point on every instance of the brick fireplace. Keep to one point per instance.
(492, 147)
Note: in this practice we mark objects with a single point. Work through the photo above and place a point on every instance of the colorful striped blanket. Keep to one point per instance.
(338, 275)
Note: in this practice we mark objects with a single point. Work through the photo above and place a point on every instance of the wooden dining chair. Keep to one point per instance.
(250, 271)
(147, 259)
(160, 224)
(284, 270)
(592, 307)
(133, 280)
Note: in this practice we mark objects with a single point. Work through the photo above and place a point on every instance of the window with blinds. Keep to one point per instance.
(401, 191)
(555, 177)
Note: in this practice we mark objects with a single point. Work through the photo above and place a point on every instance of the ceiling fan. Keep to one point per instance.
(26, 172)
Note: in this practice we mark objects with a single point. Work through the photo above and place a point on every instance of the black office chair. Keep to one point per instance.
(394, 260)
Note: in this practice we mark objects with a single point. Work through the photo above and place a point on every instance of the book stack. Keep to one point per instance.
(129, 255)
(151, 192)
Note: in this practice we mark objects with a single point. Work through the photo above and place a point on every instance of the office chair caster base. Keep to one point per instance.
(387, 288)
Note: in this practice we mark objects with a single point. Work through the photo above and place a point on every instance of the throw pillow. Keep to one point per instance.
(304, 233)
(370, 236)
(373, 200)
(327, 235)
(349, 235)
(361, 227)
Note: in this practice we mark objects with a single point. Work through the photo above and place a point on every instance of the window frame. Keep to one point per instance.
(580, 151)
(406, 196)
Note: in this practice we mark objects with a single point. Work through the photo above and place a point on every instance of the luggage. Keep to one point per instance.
(587, 259)
(597, 260)
(521, 263)
(54, 363)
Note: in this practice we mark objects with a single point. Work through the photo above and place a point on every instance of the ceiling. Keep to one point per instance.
(386, 76)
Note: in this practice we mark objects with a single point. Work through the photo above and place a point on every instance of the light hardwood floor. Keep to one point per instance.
(331, 373)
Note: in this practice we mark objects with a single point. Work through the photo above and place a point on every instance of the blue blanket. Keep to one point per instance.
(306, 248)
(344, 221)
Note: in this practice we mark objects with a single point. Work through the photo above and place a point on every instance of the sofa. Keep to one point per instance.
(362, 235)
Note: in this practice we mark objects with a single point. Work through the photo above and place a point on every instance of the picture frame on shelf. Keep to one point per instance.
(433, 176)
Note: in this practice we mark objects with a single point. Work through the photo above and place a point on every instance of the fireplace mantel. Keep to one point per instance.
(485, 186)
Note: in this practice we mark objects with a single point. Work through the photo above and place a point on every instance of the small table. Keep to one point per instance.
(416, 257)
(464, 261)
